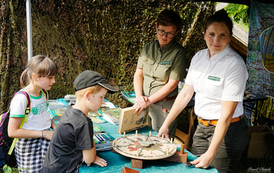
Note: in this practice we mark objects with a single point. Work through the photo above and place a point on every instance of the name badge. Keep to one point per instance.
(165, 62)
(214, 78)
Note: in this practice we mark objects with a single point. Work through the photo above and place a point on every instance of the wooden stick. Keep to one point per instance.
(182, 148)
(136, 132)
(138, 152)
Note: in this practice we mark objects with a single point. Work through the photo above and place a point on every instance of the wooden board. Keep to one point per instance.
(129, 170)
(144, 147)
(131, 121)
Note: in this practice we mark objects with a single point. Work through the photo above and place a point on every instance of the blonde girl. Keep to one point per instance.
(34, 136)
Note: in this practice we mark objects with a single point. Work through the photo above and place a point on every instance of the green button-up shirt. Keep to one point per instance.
(160, 65)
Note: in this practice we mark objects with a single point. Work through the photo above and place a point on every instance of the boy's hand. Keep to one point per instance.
(99, 161)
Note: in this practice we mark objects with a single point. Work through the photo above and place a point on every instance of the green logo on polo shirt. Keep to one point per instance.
(214, 78)
(34, 111)
(40, 108)
(165, 62)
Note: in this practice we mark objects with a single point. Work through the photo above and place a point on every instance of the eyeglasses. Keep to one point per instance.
(168, 34)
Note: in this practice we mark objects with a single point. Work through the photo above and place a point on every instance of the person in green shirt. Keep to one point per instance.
(161, 65)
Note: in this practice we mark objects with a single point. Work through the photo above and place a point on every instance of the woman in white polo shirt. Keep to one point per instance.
(218, 76)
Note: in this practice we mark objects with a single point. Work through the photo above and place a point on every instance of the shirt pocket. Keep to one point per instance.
(162, 71)
(213, 86)
(196, 78)
(148, 66)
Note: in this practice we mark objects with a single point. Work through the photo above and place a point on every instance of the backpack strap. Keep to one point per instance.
(28, 108)
(45, 94)
(2, 118)
(25, 119)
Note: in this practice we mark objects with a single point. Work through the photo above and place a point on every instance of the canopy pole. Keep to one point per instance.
(29, 28)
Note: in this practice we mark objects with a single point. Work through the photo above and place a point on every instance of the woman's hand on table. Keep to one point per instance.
(163, 131)
(203, 161)
(99, 161)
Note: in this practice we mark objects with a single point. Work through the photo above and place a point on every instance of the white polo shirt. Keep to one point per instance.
(38, 118)
(221, 78)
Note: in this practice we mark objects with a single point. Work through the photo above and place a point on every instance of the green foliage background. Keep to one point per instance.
(239, 14)
(102, 35)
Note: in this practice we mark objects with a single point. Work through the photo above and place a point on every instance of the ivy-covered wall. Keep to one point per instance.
(102, 35)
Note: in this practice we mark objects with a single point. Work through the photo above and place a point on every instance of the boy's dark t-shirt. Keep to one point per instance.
(73, 134)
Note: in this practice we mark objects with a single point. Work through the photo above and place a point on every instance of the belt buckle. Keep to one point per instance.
(204, 122)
